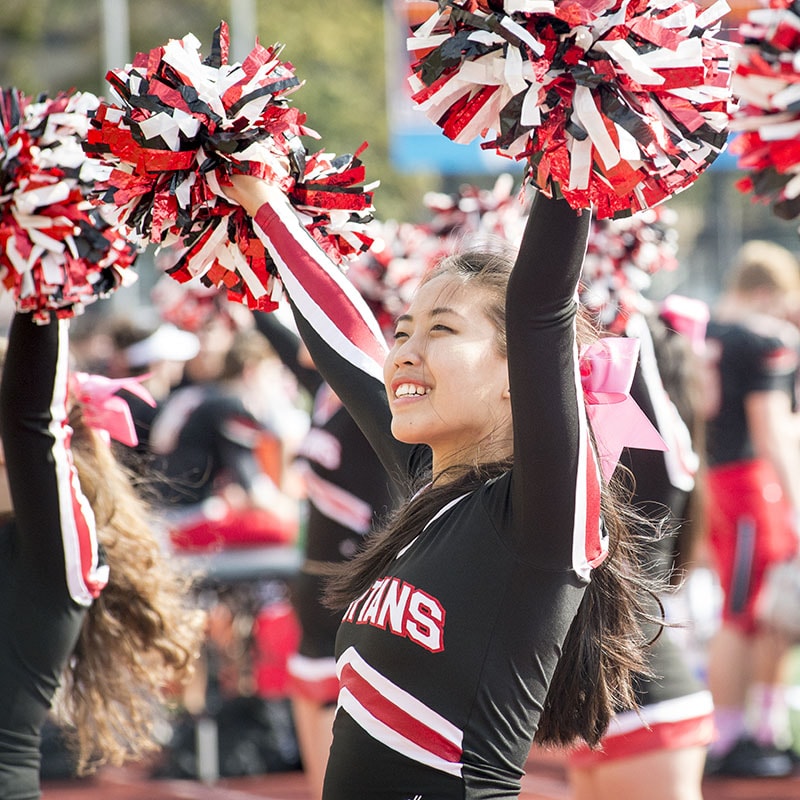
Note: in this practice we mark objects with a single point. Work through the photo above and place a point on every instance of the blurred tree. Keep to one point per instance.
(337, 49)
(49, 45)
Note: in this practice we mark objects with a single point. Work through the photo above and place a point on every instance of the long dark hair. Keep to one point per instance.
(606, 641)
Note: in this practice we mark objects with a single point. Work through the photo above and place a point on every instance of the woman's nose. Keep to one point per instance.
(406, 352)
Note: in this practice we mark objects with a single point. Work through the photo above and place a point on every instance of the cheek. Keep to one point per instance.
(495, 385)
(388, 369)
(494, 371)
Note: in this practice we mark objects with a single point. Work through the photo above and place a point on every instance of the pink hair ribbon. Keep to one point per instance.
(607, 369)
(104, 410)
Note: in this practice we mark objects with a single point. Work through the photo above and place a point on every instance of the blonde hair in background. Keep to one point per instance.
(762, 264)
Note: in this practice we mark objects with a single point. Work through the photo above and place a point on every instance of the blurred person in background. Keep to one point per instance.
(220, 443)
(204, 313)
(156, 354)
(222, 489)
(753, 499)
(221, 466)
(657, 750)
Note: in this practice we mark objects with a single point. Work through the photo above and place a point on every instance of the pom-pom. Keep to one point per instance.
(183, 125)
(474, 213)
(612, 104)
(58, 251)
(387, 274)
(766, 80)
(621, 257)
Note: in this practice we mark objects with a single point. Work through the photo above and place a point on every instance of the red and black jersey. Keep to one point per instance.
(203, 438)
(760, 356)
(445, 662)
(49, 564)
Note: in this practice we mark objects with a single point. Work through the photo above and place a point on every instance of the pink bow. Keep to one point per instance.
(607, 368)
(104, 410)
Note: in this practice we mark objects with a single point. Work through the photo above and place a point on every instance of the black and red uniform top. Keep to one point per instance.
(445, 662)
(49, 564)
(204, 437)
(759, 356)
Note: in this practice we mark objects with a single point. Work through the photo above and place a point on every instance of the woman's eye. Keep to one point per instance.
(398, 335)
(440, 327)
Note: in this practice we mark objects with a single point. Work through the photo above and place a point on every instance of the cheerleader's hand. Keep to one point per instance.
(251, 192)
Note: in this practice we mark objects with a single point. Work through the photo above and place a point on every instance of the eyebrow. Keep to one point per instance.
(435, 312)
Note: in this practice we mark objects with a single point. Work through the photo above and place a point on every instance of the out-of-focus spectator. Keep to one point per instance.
(222, 467)
(347, 493)
(659, 748)
(222, 489)
(753, 501)
(157, 354)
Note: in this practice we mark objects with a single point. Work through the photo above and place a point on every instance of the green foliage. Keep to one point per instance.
(50, 45)
(337, 49)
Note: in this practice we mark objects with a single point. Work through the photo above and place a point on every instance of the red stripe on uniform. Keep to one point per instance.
(595, 552)
(80, 531)
(336, 503)
(321, 285)
(390, 714)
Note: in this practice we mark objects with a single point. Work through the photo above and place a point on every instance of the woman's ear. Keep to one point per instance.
(506, 393)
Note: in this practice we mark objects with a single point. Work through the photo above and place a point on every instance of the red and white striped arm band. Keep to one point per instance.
(86, 577)
(318, 289)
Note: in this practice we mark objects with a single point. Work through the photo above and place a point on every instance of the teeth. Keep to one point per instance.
(409, 389)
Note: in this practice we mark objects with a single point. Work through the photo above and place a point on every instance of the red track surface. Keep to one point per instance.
(545, 781)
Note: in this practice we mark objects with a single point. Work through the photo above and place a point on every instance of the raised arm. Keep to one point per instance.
(341, 333)
(555, 483)
(55, 524)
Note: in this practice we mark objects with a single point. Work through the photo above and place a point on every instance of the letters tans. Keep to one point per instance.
(402, 609)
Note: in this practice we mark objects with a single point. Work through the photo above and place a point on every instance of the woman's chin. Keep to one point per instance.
(407, 434)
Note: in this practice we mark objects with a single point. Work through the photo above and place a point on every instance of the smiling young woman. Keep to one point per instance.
(491, 608)
(446, 376)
